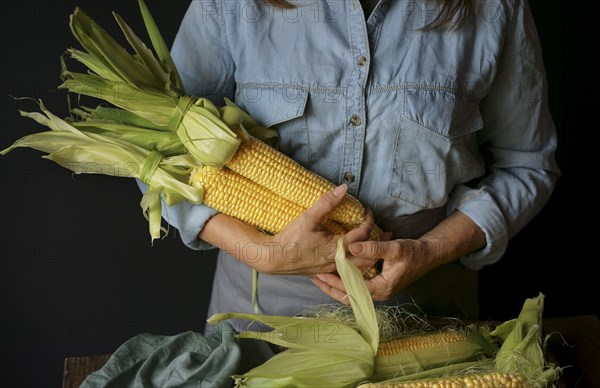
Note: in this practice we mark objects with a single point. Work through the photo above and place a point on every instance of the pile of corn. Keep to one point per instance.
(220, 153)
(437, 359)
(326, 352)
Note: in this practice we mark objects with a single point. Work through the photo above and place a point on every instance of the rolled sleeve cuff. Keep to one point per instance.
(480, 206)
(188, 219)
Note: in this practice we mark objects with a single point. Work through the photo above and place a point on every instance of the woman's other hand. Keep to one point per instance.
(406, 260)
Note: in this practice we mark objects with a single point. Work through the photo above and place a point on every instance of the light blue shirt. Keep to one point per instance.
(410, 119)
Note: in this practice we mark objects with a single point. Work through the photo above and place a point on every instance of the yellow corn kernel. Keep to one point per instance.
(409, 355)
(488, 380)
(245, 200)
(281, 174)
(417, 342)
(237, 196)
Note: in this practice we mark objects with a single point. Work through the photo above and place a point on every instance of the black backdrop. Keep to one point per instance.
(78, 275)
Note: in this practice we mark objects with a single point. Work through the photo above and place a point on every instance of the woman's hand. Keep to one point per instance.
(304, 246)
(406, 260)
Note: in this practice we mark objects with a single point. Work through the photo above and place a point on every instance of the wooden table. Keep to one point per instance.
(76, 369)
(574, 343)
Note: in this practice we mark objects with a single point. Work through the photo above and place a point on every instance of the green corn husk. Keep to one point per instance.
(141, 84)
(85, 152)
(159, 45)
(522, 348)
(195, 121)
(95, 153)
(321, 352)
(110, 58)
(103, 114)
(150, 121)
(167, 144)
(234, 117)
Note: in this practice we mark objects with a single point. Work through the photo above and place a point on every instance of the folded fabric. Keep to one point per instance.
(183, 360)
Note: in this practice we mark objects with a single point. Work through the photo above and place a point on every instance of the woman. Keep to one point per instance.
(433, 113)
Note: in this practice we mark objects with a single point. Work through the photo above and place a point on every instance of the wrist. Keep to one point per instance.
(453, 238)
(435, 250)
(242, 241)
(270, 253)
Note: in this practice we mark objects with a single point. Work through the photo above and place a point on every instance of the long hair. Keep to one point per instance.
(452, 15)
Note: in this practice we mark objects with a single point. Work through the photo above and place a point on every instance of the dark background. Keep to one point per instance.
(78, 275)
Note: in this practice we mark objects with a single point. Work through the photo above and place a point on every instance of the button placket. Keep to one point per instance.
(350, 171)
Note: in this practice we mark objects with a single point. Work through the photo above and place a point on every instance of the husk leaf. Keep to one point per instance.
(162, 81)
(102, 46)
(320, 352)
(360, 297)
(159, 45)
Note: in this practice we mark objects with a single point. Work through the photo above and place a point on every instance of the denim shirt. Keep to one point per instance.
(410, 119)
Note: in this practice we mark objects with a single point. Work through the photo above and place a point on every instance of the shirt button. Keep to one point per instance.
(355, 120)
(362, 60)
(349, 177)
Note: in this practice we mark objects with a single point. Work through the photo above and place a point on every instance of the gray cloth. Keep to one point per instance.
(188, 359)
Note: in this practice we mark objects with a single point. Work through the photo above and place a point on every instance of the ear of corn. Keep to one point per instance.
(522, 348)
(519, 362)
(415, 353)
(484, 380)
(281, 174)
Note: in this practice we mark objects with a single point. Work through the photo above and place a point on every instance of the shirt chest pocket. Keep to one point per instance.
(435, 146)
(441, 112)
(280, 106)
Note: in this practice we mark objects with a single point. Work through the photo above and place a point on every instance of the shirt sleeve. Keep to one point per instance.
(518, 141)
(187, 218)
(206, 68)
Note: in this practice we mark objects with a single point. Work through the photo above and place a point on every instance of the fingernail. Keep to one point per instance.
(319, 277)
(341, 189)
(356, 248)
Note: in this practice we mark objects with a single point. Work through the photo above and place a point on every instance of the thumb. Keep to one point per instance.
(326, 203)
(368, 249)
